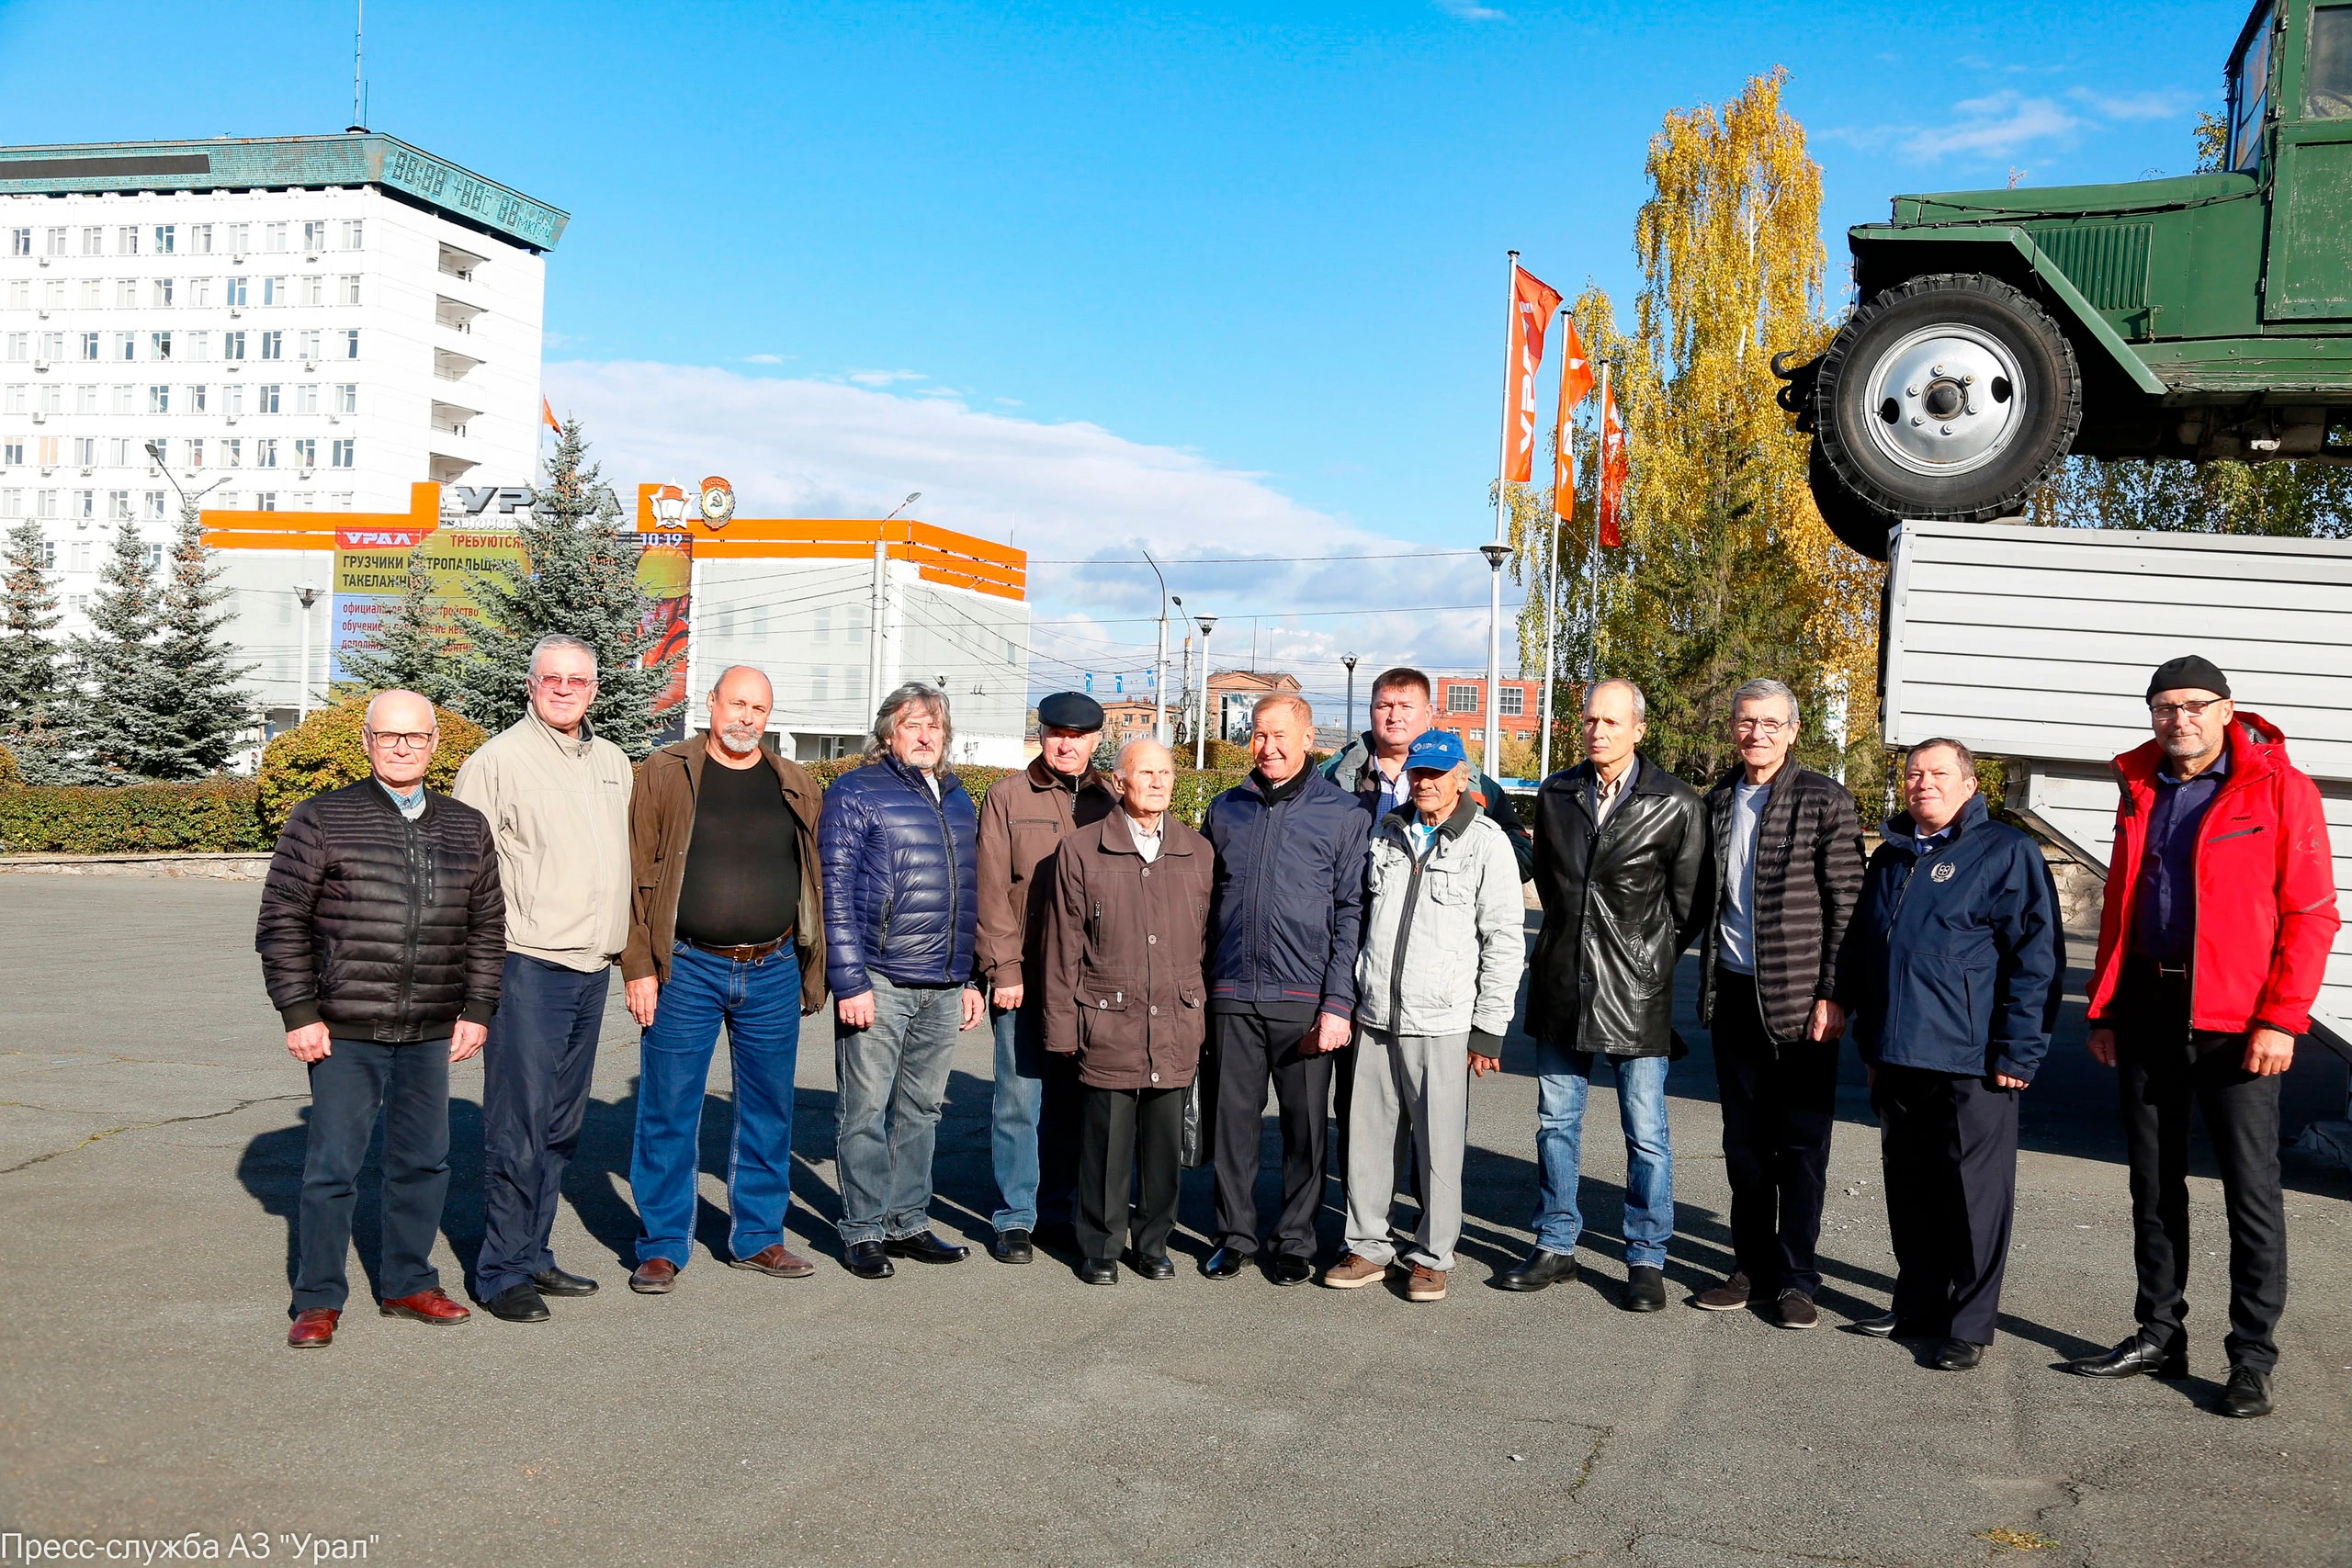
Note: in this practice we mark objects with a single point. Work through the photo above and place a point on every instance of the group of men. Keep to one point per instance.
(1351, 939)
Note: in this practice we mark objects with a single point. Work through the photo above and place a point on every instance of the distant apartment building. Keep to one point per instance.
(1461, 702)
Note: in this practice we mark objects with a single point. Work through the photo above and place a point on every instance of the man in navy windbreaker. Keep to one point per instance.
(1955, 964)
(1285, 916)
(901, 910)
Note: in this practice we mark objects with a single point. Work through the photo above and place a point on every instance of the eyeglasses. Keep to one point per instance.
(1766, 726)
(566, 682)
(2161, 711)
(400, 739)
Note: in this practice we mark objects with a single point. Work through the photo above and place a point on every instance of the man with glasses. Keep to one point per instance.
(1787, 853)
(556, 797)
(2220, 911)
(383, 936)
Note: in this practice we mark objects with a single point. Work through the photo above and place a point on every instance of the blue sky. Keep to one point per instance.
(1225, 279)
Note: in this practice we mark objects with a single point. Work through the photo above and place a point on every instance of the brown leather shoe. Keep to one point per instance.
(1425, 1284)
(778, 1260)
(1730, 1296)
(313, 1328)
(433, 1306)
(1353, 1272)
(653, 1277)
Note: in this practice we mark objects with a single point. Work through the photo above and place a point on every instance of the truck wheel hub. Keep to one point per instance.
(1946, 398)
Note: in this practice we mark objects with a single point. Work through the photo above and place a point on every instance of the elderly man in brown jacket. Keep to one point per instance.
(1127, 933)
(1032, 1138)
(726, 926)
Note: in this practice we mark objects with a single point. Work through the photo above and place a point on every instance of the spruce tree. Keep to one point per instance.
(29, 658)
(204, 708)
(116, 699)
(413, 645)
(582, 580)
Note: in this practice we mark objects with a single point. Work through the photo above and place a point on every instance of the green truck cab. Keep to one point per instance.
(2203, 318)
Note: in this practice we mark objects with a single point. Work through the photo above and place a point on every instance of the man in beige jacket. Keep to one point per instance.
(556, 797)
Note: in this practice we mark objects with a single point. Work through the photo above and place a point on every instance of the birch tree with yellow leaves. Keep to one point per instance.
(1727, 571)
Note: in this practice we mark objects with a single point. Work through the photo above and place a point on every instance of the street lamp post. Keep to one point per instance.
(877, 664)
(1496, 554)
(1201, 730)
(1159, 670)
(308, 593)
(1348, 727)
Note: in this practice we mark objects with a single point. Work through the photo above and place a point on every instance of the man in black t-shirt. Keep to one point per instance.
(724, 929)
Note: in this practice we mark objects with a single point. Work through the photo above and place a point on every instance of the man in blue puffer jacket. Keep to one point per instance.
(901, 910)
(1284, 922)
(1954, 965)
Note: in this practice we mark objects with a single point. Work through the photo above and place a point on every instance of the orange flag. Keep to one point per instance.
(547, 413)
(1615, 468)
(1576, 382)
(1533, 300)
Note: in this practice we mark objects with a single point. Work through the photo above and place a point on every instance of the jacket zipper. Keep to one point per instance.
(414, 918)
(947, 851)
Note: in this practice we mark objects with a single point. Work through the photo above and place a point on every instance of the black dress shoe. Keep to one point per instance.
(556, 1282)
(518, 1304)
(1644, 1289)
(2130, 1359)
(1543, 1268)
(1012, 1246)
(1158, 1267)
(925, 1247)
(1880, 1328)
(1223, 1264)
(1959, 1356)
(869, 1260)
(1290, 1268)
(1097, 1271)
(2247, 1395)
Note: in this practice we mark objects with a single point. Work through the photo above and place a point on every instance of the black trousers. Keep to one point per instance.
(356, 1083)
(1950, 1149)
(1129, 1141)
(1251, 1051)
(2164, 1069)
(536, 1070)
(1780, 1101)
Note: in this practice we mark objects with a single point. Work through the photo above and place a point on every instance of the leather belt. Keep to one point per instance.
(748, 952)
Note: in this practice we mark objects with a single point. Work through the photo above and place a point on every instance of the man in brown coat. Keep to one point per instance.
(1034, 1141)
(726, 926)
(1126, 936)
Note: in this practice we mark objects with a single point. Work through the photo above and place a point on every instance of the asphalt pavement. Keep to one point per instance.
(151, 1141)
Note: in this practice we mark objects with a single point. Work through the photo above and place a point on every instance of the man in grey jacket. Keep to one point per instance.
(1444, 942)
(557, 796)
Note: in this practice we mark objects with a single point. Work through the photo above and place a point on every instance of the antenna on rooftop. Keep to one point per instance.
(358, 55)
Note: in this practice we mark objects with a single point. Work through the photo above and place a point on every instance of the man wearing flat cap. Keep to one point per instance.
(1034, 1131)
(2220, 909)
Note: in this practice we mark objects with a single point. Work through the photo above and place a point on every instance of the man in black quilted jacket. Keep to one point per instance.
(383, 936)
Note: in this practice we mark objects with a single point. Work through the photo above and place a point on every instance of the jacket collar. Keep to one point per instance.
(1119, 839)
(1900, 831)
(691, 754)
(913, 778)
(1466, 811)
(558, 738)
(1045, 780)
(1274, 795)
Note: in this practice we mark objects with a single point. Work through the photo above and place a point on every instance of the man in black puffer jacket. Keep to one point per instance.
(382, 937)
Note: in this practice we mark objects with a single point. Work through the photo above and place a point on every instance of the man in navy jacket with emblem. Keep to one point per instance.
(1954, 967)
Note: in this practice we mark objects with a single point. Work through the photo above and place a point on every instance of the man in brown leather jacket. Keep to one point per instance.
(1126, 932)
(1034, 1136)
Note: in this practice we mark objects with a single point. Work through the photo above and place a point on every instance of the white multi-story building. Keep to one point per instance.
(304, 323)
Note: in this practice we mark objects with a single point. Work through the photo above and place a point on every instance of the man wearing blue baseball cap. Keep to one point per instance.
(1444, 939)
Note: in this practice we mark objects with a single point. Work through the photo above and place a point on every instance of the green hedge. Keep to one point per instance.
(220, 814)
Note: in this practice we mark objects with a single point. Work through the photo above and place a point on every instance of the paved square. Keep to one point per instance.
(151, 1141)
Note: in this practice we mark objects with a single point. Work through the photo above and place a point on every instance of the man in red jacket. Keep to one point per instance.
(2220, 908)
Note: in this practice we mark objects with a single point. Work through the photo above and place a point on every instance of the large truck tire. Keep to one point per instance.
(1858, 526)
(1947, 396)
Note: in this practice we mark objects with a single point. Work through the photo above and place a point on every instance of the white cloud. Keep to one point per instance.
(2162, 103)
(765, 358)
(1078, 498)
(885, 377)
(1996, 125)
(1469, 11)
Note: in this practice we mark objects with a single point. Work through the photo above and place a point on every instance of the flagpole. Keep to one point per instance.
(1592, 555)
(1491, 761)
(1551, 660)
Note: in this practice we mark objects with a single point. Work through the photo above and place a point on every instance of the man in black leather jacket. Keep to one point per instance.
(1620, 864)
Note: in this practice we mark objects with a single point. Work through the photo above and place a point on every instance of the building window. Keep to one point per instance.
(351, 343)
(12, 504)
(347, 288)
(199, 346)
(314, 288)
(126, 399)
(306, 452)
(196, 398)
(273, 237)
(92, 294)
(1511, 701)
(232, 290)
(343, 452)
(232, 455)
(199, 239)
(118, 505)
(155, 514)
(21, 347)
(265, 397)
(233, 400)
(1461, 699)
(118, 456)
(21, 242)
(306, 397)
(45, 503)
(125, 293)
(273, 292)
(94, 241)
(351, 233)
(196, 452)
(126, 239)
(340, 501)
(346, 397)
(314, 237)
(273, 345)
(159, 294)
(52, 399)
(89, 345)
(232, 345)
(126, 345)
(57, 242)
(265, 453)
(159, 400)
(265, 501)
(77, 556)
(12, 452)
(166, 239)
(159, 345)
(200, 292)
(309, 347)
(53, 346)
(12, 400)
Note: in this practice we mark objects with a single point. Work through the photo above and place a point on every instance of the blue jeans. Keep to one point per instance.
(760, 1004)
(893, 1081)
(1563, 1077)
(1032, 1145)
(355, 1083)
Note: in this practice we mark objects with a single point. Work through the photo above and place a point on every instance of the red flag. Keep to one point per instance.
(1533, 300)
(1615, 468)
(1576, 382)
